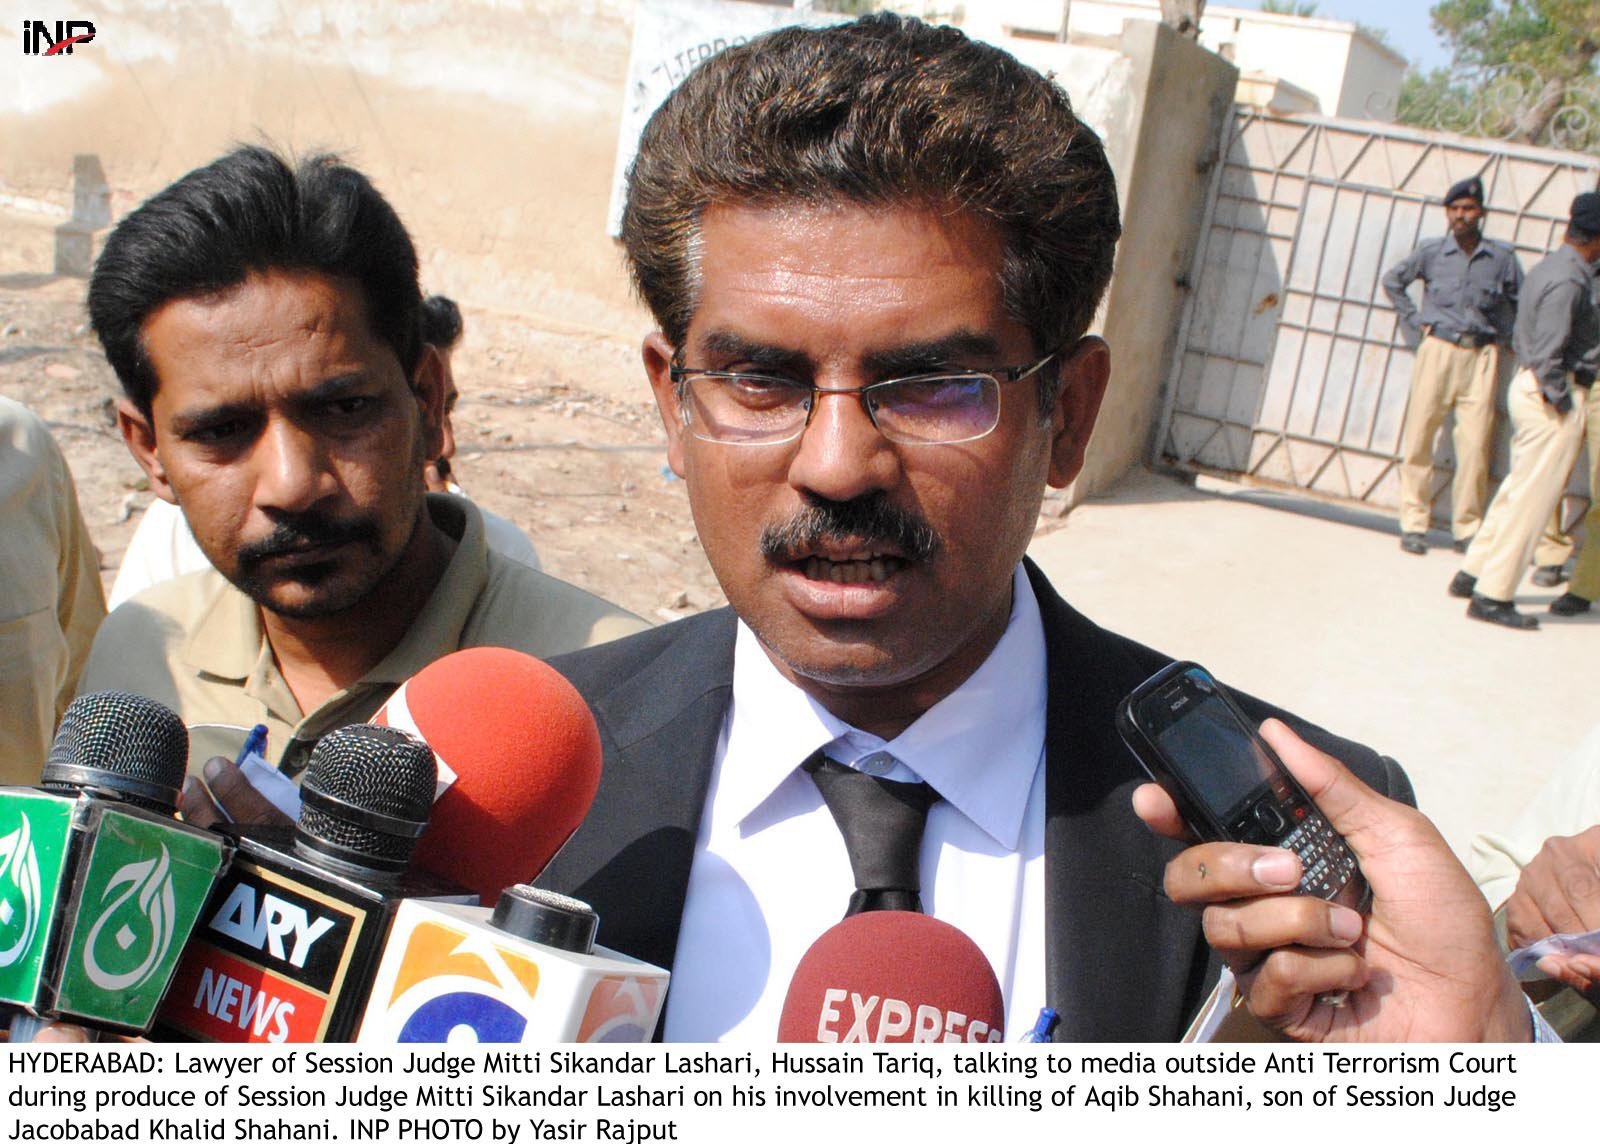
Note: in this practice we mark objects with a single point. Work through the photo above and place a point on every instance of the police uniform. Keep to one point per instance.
(1468, 306)
(1557, 343)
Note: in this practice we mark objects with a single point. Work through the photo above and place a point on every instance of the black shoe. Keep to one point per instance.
(1414, 543)
(1460, 545)
(1569, 605)
(1549, 575)
(1502, 612)
(1461, 586)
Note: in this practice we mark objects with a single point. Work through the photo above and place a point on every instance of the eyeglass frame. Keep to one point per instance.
(682, 375)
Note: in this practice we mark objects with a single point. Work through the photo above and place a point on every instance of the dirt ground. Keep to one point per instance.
(555, 429)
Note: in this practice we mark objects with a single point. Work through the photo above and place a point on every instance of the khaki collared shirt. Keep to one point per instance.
(196, 644)
(50, 598)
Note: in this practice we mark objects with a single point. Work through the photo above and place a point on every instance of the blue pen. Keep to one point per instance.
(255, 743)
(1043, 1027)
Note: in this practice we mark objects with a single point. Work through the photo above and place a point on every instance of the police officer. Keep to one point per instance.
(1469, 301)
(1557, 342)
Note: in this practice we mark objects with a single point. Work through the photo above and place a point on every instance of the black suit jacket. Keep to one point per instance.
(1124, 963)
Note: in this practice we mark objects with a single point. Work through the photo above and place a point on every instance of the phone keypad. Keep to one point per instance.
(1326, 863)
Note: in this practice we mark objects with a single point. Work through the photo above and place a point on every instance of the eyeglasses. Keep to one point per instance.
(928, 409)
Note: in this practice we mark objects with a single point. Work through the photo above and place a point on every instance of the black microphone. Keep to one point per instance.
(100, 885)
(293, 933)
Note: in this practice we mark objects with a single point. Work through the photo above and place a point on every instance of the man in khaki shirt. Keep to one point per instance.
(197, 644)
(50, 598)
(265, 324)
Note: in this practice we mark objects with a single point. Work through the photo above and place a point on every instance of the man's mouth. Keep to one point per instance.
(875, 569)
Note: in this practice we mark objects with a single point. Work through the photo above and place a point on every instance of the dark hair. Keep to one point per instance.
(441, 322)
(247, 212)
(882, 110)
(1580, 235)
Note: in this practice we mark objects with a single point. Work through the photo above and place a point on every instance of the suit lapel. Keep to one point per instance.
(659, 724)
(1122, 959)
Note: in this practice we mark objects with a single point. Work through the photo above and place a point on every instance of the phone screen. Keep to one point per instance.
(1229, 768)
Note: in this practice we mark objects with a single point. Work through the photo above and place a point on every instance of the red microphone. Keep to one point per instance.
(892, 976)
(524, 753)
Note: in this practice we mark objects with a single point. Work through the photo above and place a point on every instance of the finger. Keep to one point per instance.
(1243, 931)
(1568, 970)
(1284, 988)
(1156, 808)
(1223, 871)
(1542, 893)
(1348, 803)
(60, 1033)
(234, 794)
(196, 805)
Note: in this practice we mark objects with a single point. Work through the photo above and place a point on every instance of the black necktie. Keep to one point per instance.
(882, 823)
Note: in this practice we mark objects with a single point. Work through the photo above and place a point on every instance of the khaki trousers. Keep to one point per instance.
(1555, 546)
(1544, 444)
(1446, 377)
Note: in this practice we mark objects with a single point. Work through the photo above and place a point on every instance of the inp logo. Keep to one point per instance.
(37, 39)
(456, 986)
(19, 893)
(144, 927)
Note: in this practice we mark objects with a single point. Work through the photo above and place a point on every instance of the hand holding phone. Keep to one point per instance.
(1191, 737)
(1423, 966)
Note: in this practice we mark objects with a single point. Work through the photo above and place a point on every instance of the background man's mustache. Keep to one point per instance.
(295, 533)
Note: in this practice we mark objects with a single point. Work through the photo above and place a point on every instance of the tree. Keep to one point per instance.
(1522, 66)
(1302, 8)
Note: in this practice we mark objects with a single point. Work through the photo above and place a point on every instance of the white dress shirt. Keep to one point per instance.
(770, 871)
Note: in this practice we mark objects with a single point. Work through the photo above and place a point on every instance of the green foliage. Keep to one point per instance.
(1303, 8)
(1522, 70)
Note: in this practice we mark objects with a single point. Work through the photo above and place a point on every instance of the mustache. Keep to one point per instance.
(870, 520)
(292, 534)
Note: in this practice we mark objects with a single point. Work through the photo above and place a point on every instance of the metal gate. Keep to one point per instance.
(1289, 369)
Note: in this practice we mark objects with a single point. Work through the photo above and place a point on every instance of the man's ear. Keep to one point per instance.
(139, 434)
(1084, 374)
(427, 383)
(658, 353)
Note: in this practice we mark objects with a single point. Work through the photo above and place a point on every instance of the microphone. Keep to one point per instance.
(892, 976)
(527, 972)
(100, 885)
(293, 932)
(519, 762)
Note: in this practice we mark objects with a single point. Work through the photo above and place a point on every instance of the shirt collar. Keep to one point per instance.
(228, 642)
(979, 746)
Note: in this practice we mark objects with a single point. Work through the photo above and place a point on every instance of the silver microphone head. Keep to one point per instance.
(366, 797)
(118, 745)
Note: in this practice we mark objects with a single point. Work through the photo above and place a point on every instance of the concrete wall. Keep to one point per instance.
(1350, 73)
(1170, 137)
(491, 126)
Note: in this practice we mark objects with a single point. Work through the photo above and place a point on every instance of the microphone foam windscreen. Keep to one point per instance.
(892, 976)
(525, 755)
(124, 743)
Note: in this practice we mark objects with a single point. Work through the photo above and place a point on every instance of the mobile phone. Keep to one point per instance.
(1192, 738)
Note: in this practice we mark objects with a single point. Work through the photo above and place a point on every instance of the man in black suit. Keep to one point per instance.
(874, 251)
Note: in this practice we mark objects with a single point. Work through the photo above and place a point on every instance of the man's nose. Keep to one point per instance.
(291, 469)
(842, 455)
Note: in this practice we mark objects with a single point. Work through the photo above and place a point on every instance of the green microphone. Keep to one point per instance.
(100, 884)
